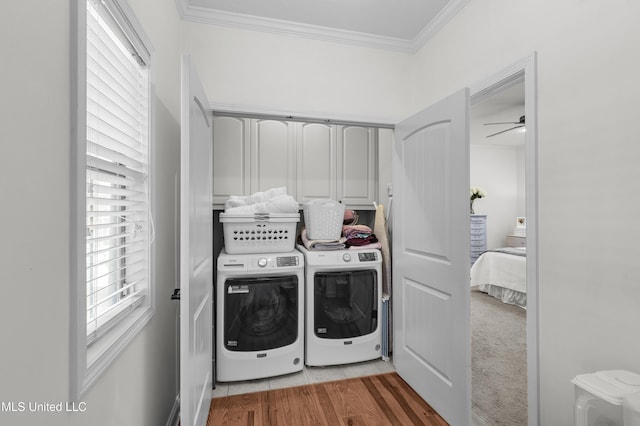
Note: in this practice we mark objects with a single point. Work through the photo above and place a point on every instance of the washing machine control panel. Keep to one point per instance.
(283, 261)
(247, 262)
(271, 262)
(346, 257)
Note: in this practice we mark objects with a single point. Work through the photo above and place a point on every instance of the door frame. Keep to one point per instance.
(525, 69)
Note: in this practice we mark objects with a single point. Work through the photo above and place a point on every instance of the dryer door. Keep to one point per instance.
(345, 303)
(260, 313)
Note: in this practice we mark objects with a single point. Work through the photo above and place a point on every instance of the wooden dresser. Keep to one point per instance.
(478, 235)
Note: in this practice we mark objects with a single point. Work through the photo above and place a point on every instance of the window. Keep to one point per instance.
(112, 287)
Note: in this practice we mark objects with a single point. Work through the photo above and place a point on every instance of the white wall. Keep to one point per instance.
(588, 152)
(495, 169)
(497, 164)
(299, 76)
(141, 386)
(521, 168)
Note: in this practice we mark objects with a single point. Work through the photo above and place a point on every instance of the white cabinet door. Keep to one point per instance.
(312, 160)
(273, 158)
(316, 149)
(196, 252)
(357, 165)
(432, 344)
(231, 157)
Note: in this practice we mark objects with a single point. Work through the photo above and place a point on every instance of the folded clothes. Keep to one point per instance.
(358, 235)
(356, 241)
(321, 244)
(348, 230)
(367, 246)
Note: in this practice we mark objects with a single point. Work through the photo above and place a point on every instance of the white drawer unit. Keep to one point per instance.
(478, 235)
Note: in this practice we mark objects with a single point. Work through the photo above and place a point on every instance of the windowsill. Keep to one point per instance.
(103, 352)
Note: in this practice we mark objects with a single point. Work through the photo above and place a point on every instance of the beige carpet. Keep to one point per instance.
(498, 363)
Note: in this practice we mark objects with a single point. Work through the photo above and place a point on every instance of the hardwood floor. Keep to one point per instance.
(383, 399)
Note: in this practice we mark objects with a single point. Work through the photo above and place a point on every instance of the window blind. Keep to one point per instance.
(117, 168)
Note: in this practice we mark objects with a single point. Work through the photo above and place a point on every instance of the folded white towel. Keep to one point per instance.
(255, 198)
(323, 245)
(278, 204)
(282, 204)
(252, 209)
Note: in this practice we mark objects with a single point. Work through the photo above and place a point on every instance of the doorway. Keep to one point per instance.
(503, 162)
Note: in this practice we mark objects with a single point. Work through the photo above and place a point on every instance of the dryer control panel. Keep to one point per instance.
(344, 258)
(368, 256)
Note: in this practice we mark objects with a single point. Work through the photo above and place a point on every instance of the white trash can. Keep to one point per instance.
(631, 409)
(599, 397)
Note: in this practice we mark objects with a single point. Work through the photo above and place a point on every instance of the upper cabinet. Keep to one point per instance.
(337, 162)
(273, 150)
(231, 157)
(316, 177)
(357, 165)
(313, 160)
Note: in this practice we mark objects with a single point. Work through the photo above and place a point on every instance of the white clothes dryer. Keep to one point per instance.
(343, 306)
(260, 315)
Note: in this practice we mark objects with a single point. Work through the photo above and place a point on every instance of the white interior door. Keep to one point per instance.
(196, 251)
(431, 349)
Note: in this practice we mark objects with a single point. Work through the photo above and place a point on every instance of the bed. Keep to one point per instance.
(501, 273)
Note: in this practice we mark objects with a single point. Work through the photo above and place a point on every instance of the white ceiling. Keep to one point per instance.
(398, 25)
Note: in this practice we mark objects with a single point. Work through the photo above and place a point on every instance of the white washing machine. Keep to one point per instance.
(343, 306)
(260, 315)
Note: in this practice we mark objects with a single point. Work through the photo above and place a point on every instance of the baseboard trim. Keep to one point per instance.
(174, 416)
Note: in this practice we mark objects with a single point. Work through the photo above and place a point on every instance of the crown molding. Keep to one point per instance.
(436, 24)
(314, 32)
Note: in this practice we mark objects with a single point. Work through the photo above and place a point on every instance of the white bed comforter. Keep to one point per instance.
(502, 275)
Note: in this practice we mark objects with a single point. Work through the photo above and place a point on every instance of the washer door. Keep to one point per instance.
(345, 304)
(260, 313)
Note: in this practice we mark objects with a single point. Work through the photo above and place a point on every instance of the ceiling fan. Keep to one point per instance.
(518, 124)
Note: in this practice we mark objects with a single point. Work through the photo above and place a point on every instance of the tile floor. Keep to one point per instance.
(308, 375)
